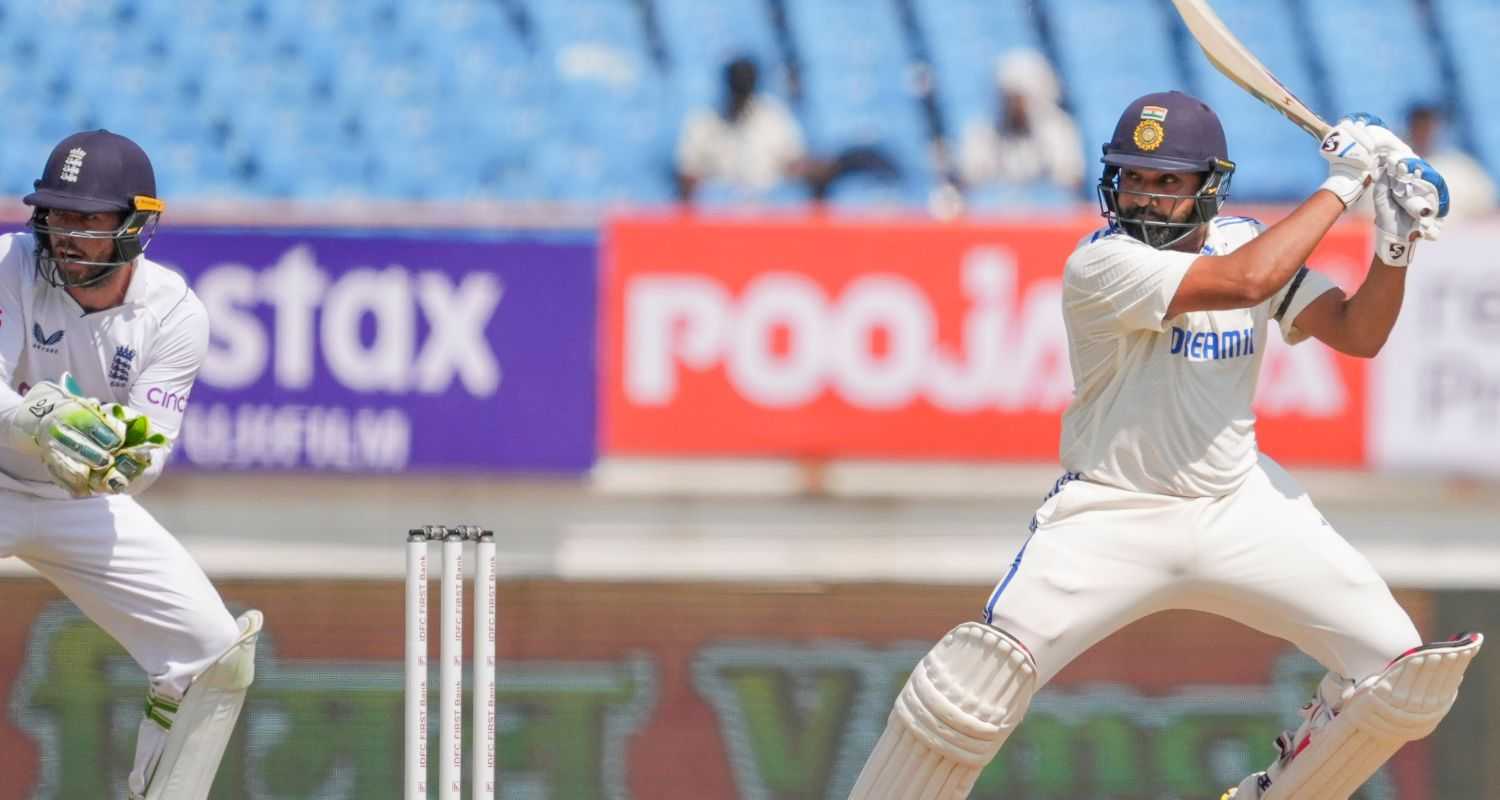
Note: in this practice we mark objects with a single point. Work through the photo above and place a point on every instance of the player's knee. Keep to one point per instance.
(968, 693)
(212, 634)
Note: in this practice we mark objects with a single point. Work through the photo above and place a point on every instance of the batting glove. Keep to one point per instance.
(1407, 183)
(1417, 185)
(1420, 202)
(1352, 160)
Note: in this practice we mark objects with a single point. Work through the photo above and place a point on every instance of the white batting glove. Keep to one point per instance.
(1396, 230)
(1416, 185)
(1391, 151)
(1352, 160)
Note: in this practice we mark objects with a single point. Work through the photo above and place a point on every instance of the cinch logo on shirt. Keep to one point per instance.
(45, 341)
(1212, 345)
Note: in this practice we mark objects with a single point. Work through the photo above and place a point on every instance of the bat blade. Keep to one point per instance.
(1230, 57)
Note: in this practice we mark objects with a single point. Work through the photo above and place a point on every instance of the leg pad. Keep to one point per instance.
(1377, 716)
(961, 702)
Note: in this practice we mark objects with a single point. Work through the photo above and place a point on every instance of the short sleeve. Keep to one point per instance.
(697, 146)
(785, 133)
(1120, 284)
(1298, 293)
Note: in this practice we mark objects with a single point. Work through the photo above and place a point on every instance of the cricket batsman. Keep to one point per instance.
(99, 347)
(1166, 502)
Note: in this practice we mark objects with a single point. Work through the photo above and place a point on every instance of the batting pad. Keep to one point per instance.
(961, 702)
(1401, 704)
(205, 719)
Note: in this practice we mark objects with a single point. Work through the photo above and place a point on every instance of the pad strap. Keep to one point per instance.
(1401, 704)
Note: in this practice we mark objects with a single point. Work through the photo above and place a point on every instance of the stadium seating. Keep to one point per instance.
(1110, 52)
(857, 92)
(579, 101)
(1355, 50)
(1468, 28)
(1275, 160)
(965, 37)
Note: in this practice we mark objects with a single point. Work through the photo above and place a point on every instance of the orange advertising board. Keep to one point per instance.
(889, 339)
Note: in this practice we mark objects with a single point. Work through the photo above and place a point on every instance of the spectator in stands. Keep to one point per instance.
(1471, 190)
(1031, 138)
(753, 143)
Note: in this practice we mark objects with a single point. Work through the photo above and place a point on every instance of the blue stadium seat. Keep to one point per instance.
(856, 82)
(701, 38)
(1110, 52)
(562, 101)
(1469, 28)
(964, 38)
(1276, 161)
(1356, 51)
(1001, 199)
(605, 89)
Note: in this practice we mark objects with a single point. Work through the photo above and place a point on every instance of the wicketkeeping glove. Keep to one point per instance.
(133, 456)
(72, 432)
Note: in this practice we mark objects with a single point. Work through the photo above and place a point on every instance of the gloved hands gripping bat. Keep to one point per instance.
(1405, 186)
(88, 447)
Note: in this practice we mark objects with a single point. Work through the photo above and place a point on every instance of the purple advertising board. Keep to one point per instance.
(353, 351)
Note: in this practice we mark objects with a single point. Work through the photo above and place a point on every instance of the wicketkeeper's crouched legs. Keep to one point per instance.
(962, 701)
(180, 744)
(1351, 728)
(138, 583)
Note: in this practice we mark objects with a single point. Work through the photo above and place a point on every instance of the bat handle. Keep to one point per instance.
(1417, 206)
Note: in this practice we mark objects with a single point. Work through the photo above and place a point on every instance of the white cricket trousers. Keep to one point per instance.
(1100, 558)
(129, 575)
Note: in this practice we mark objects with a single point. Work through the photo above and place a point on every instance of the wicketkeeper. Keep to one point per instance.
(99, 348)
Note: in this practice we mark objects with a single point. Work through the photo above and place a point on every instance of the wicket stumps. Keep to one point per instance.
(450, 663)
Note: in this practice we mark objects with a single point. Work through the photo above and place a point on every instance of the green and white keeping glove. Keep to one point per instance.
(134, 454)
(72, 432)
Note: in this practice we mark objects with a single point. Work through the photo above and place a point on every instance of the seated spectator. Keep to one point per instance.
(1471, 191)
(752, 143)
(1031, 138)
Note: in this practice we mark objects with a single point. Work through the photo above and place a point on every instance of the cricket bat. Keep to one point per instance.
(1235, 61)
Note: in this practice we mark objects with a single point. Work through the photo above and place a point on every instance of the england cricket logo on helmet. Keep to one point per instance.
(1167, 132)
(88, 173)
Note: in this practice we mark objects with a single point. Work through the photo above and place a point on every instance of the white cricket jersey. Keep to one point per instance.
(144, 353)
(1163, 405)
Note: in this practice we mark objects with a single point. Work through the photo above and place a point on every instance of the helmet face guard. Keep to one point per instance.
(1165, 132)
(94, 172)
(131, 239)
(1162, 234)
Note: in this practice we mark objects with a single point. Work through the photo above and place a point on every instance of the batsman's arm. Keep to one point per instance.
(1251, 274)
(1358, 325)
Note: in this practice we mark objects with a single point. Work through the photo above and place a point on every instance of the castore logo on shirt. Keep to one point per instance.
(44, 341)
